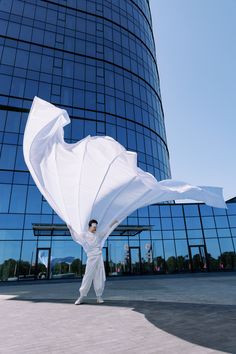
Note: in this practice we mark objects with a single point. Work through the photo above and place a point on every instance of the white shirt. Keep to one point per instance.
(92, 242)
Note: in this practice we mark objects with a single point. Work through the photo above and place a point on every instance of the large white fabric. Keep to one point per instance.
(96, 177)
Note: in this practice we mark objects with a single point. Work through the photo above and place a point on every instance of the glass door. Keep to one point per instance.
(198, 261)
(42, 265)
(134, 260)
(105, 259)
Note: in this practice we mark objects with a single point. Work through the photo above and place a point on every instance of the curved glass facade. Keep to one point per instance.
(94, 58)
(97, 60)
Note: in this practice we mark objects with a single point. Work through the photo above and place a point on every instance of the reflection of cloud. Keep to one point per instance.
(43, 256)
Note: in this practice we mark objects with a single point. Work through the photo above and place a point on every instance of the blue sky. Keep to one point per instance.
(196, 56)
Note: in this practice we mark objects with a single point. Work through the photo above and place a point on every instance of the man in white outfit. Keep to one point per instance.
(94, 271)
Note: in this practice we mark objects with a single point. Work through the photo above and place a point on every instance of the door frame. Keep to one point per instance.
(200, 247)
(130, 259)
(37, 259)
(107, 269)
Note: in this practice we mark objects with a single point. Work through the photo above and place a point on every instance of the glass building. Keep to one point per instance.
(97, 60)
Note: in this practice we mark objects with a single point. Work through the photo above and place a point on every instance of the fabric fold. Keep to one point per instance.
(96, 177)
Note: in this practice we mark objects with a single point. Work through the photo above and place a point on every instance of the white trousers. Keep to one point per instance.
(94, 272)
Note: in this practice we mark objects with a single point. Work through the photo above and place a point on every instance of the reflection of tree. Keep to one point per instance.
(183, 263)
(112, 266)
(61, 267)
(227, 261)
(159, 264)
(213, 262)
(171, 265)
(147, 266)
(8, 269)
(25, 268)
(197, 262)
(76, 266)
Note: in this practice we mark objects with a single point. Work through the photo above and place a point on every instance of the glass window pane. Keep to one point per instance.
(168, 234)
(11, 221)
(233, 232)
(208, 222)
(227, 258)
(155, 223)
(223, 232)
(5, 190)
(219, 211)
(170, 256)
(18, 199)
(193, 223)
(231, 208)
(7, 158)
(182, 255)
(9, 256)
(176, 210)
(226, 245)
(232, 220)
(154, 210)
(165, 210)
(178, 223)
(210, 233)
(213, 252)
(221, 221)
(158, 257)
(13, 122)
(65, 259)
(143, 212)
(180, 233)
(191, 210)
(34, 200)
(205, 210)
(194, 233)
(166, 224)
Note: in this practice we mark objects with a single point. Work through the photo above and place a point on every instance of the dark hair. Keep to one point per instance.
(91, 221)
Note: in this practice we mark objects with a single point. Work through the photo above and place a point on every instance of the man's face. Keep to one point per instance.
(93, 227)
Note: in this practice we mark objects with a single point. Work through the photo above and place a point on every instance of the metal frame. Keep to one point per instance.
(122, 230)
(200, 246)
(37, 261)
(130, 259)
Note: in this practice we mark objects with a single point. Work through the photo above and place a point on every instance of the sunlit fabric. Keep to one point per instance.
(96, 177)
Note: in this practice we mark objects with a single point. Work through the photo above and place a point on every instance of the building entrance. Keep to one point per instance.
(42, 264)
(105, 259)
(135, 260)
(198, 260)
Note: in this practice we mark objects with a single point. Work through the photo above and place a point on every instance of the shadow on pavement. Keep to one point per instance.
(208, 325)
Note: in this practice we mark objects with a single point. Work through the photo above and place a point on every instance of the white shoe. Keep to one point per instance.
(79, 300)
(100, 300)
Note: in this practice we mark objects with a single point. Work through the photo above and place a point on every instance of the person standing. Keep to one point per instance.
(94, 271)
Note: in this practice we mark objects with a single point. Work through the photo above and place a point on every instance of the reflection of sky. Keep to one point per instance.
(226, 244)
(66, 248)
(9, 250)
(117, 251)
(181, 248)
(213, 247)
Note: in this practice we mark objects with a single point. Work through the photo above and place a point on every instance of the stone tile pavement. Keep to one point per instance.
(150, 315)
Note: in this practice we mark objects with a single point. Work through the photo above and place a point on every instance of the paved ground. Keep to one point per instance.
(151, 314)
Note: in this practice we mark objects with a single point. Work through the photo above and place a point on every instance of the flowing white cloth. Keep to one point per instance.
(96, 177)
